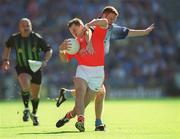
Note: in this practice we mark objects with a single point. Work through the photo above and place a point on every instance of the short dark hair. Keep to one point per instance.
(110, 9)
(75, 21)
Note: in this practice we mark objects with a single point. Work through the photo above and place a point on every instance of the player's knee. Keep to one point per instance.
(80, 91)
(102, 91)
(100, 96)
(25, 86)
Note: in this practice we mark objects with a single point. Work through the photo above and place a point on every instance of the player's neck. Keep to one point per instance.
(25, 35)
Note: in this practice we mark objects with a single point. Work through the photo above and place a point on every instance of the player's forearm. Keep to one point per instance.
(88, 36)
(136, 33)
(6, 54)
(63, 56)
(48, 55)
(98, 22)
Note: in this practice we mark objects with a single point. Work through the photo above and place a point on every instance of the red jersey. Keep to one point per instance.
(97, 59)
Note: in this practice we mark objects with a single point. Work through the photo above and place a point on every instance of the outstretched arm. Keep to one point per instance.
(136, 33)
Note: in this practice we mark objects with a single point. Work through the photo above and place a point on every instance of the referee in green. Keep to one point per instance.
(28, 46)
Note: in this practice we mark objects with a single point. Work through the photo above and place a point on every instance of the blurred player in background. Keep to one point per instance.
(114, 32)
(90, 71)
(28, 45)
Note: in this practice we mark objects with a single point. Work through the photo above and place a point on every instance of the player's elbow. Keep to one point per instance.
(51, 51)
(104, 22)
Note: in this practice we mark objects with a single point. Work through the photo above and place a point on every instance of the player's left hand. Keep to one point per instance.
(90, 49)
(149, 29)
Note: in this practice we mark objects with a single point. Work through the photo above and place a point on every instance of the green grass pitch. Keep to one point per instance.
(125, 119)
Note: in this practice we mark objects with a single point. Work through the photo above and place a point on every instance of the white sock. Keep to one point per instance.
(68, 94)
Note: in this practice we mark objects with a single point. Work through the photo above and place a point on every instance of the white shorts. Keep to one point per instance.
(94, 76)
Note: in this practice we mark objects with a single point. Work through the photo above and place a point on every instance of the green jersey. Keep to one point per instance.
(27, 48)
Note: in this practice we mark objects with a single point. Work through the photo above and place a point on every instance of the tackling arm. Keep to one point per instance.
(98, 22)
(103, 23)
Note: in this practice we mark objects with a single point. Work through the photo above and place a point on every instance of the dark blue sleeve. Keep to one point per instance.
(119, 32)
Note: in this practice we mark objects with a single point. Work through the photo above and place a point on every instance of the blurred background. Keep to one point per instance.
(143, 67)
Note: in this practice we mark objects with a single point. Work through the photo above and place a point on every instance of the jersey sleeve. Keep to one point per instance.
(10, 42)
(44, 45)
(119, 32)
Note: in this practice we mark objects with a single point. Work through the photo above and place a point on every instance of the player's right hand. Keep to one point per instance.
(65, 45)
(90, 49)
(83, 52)
(149, 29)
(6, 65)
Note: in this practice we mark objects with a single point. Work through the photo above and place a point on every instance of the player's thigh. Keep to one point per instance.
(24, 81)
(80, 85)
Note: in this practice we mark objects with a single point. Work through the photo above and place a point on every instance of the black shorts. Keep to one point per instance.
(36, 76)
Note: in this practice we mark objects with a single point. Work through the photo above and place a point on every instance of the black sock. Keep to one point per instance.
(25, 98)
(35, 103)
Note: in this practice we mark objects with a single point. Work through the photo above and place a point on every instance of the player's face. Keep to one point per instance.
(25, 28)
(111, 17)
(75, 30)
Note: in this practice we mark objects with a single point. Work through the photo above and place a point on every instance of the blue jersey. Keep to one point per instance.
(115, 32)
